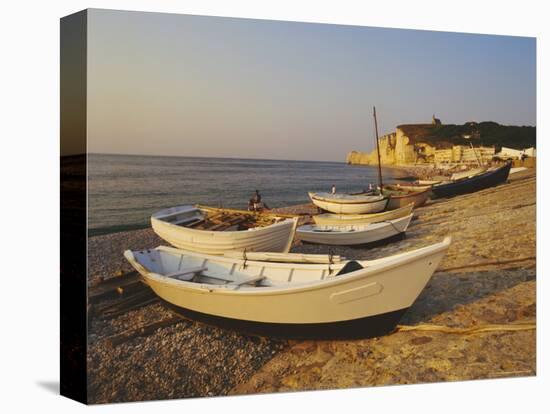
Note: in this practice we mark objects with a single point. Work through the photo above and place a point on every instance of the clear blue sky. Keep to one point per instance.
(170, 84)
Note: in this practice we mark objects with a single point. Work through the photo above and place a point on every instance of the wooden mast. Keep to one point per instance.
(475, 153)
(377, 150)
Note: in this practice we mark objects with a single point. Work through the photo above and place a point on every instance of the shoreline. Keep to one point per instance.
(189, 359)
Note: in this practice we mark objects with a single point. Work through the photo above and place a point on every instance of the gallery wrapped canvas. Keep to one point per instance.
(253, 206)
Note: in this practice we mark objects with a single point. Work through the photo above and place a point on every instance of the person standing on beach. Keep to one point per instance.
(255, 203)
(333, 189)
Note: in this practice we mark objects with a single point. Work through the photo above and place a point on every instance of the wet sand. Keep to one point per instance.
(190, 360)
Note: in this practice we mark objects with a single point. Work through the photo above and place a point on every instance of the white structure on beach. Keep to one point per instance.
(506, 153)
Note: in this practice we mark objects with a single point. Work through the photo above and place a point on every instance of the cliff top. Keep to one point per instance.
(482, 133)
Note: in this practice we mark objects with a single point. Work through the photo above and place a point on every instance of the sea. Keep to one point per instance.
(124, 190)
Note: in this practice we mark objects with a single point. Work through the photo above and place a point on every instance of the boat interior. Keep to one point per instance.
(214, 219)
(233, 273)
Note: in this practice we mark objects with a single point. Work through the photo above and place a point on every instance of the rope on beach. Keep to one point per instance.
(491, 263)
(517, 326)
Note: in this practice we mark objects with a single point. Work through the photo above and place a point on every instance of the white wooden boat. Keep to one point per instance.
(351, 299)
(339, 219)
(349, 203)
(353, 234)
(217, 231)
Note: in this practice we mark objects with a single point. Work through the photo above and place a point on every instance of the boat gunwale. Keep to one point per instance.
(371, 268)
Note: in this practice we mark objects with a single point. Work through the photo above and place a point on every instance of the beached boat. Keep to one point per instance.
(215, 231)
(489, 178)
(400, 196)
(338, 219)
(350, 299)
(425, 184)
(348, 203)
(352, 234)
(468, 173)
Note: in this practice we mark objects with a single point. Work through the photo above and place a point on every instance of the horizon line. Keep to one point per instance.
(206, 156)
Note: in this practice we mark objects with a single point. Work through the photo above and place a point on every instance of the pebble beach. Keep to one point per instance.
(487, 277)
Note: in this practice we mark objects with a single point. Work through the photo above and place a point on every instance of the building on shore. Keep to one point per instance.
(514, 154)
(439, 144)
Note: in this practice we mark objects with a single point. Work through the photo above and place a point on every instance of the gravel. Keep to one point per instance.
(487, 226)
(190, 359)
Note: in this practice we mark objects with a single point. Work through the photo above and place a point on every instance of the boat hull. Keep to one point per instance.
(277, 237)
(472, 184)
(350, 208)
(343, 219)
(362, 328)
(353, 234)
(170, 225)
(361, 303)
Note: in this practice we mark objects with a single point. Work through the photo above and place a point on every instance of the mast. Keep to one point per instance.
(475, 153)
(377, 150)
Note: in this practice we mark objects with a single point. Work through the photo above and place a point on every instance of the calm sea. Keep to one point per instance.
(124, 190)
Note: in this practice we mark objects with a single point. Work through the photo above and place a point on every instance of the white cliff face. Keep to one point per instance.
(399, 149)
(395, 149)
(404, 149)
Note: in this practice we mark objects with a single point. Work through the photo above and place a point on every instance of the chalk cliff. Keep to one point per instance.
(437, 143)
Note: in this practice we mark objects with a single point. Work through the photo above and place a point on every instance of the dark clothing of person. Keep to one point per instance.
(256, 198)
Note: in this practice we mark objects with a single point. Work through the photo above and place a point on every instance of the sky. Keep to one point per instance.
(169, 84)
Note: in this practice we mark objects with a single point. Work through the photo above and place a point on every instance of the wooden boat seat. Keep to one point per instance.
(189, 221)
(237, 283)
(176, 213)
(187, 274)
